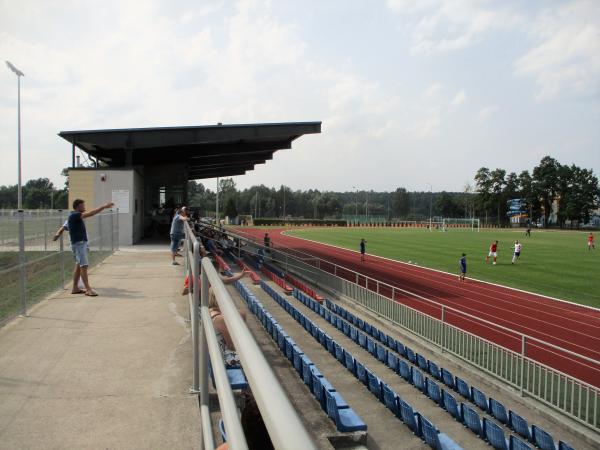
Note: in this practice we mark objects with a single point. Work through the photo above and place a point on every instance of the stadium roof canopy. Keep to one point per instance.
(209, 151)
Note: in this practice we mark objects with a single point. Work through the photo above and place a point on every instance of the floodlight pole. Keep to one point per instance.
(19, 74)
(430, 203)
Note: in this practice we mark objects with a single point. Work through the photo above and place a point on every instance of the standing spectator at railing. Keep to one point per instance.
(267, 241)
(177, 233)
(79, 244)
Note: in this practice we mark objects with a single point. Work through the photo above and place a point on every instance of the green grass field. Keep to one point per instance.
(554, 263)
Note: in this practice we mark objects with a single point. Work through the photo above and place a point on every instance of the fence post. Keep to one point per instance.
(523, 345)
(442, 337)
(393, 293)
(112, 231)
(22, 264)
(335, 270)
(45, 235)
(118, 239)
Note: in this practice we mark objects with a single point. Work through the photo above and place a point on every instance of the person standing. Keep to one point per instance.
(463, 268)
(79, 244)
(528, 231)
(177, 233)
(362, 250)
(493, 252)
(591, 245)
(267, 242)
(517, 253)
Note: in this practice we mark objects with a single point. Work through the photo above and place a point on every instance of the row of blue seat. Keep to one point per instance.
(533, 434)
(417, 423)
(344, 417)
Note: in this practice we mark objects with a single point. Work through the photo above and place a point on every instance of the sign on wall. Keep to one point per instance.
(120, 197)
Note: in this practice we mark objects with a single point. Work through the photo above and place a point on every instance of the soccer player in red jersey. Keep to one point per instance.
(493, 252)
(591, 245)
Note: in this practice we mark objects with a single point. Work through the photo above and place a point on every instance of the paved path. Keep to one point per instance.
(105, 372)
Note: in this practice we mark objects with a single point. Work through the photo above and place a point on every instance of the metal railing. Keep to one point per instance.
(281, 419)
(33, 264)
(563, 392)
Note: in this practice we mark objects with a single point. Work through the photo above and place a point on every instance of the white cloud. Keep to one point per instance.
(459, 98)
(487, 112)
(447, 25)
(566, 56)
(432, 91)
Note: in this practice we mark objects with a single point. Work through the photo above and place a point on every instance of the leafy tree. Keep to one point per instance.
(498, 182)
(230, 209)
(484, 183)
(38, 193)
(545, 176)
(401, 202)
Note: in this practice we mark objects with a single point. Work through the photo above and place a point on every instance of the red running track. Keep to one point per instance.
(567, 325)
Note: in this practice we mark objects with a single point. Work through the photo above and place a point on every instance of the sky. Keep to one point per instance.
(409, 93)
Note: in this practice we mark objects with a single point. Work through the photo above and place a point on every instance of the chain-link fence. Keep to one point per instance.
(33, 264)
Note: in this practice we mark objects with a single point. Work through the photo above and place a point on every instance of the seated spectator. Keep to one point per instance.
(225, 342)
(224, 278)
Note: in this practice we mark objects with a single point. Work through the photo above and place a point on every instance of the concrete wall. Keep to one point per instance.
(99, 186)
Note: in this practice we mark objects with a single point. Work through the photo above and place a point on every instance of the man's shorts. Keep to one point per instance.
(175, 240)
(517, 254)
(494, 254)
(80, 252)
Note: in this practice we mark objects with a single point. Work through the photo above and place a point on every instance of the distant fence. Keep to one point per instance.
(565, 393)
(33, 264)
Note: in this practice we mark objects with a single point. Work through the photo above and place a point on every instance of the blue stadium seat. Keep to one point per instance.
(452, 406)
(367, 328)
(375, 332)
(418, 380)
(350, 364)
(434, 392)
(339, 352)
(298, 359)
(331, 347)
(542, 439)
(463, 388)
(326, 315)
(315, 331)
(381, 353)
(354, 334)
(520, 425)
(472, 420)
(409, 417)
(495, 436)
(383, 338)
(515, 443)
(480, 399)
(564, 446)
(391, 343)
(289, 348)
(222, 430)
(498, 410)
(371, 346)
(422, 362)
(392, 362)
(362, 340)
(411, 355)
(448, 379)
(401, 349)
(390, 399)
(338, 323)
(375, 386)
(434, 370)
(360, 323)
(367, 373)
(306, 363)
(317, 389)
(435, 439)
(281, 340)
(361, 373)
(346, 328)
(328, 342)
(404, 370)
(345, 419)
(322, 335)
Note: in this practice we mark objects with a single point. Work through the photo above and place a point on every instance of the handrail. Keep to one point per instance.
(281, 419)
(420, 297)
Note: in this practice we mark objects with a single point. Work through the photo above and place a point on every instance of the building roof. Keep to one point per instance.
(208, 151)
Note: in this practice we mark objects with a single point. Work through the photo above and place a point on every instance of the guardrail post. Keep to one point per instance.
(22, 264)
(523, 346)
(197, 329)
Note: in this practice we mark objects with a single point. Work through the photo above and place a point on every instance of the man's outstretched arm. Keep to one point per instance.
(95, 211)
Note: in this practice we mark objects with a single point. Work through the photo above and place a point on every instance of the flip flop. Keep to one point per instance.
(92, 293)
(78, 292)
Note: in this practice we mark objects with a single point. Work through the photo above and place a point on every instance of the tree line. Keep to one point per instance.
(573, 190)
(39, 193)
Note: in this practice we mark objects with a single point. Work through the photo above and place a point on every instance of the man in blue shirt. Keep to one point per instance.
(79, 244)
(463, 268)
(177, 232)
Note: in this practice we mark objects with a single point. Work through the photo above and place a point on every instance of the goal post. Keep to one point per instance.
(451, 222)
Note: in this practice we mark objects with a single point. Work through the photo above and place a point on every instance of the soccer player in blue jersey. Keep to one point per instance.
(463, 268)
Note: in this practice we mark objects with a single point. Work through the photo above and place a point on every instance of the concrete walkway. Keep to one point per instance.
(105, 372)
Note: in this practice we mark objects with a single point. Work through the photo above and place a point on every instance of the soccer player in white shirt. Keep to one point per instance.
(517, 253)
